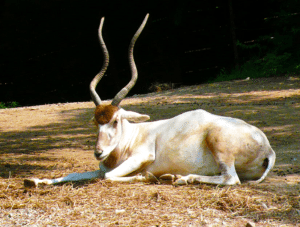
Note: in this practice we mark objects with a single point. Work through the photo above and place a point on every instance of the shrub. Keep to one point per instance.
(8, 105)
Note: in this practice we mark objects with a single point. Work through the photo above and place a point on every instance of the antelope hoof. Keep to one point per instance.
(151, 178)
(180, 181)
(30, 183)
(167, 178)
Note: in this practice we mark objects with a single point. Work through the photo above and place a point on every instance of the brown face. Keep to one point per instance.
(109, 130)
(104, 113)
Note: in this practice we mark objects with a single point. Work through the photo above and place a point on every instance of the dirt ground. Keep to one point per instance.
(51, 141)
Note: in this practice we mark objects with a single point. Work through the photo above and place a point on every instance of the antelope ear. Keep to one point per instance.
(134, 116)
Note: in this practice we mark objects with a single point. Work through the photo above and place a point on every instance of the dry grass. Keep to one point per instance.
(113, 204)
(52, 141)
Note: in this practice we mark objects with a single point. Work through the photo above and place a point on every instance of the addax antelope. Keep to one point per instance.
(193, 147)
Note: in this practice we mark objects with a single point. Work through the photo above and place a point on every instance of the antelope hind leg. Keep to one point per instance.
(197, 179)
(228, 177)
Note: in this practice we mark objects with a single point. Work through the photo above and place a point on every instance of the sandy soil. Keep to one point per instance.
(54, 140)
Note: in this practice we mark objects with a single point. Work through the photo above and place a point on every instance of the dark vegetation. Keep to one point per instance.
(49, 50)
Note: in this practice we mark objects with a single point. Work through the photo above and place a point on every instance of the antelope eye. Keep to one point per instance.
(115, 123)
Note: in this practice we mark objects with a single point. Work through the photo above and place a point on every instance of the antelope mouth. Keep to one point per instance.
(101, 158)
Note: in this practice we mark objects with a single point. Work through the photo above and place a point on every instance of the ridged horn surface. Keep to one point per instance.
(134, 74)
(95, 97)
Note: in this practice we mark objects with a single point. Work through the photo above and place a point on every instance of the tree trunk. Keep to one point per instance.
(233, 35)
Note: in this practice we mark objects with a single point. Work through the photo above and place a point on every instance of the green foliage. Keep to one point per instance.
(273, 64)
(249, 69)
(270, 65)
(276, 53)
(247, 46)
(9, 105)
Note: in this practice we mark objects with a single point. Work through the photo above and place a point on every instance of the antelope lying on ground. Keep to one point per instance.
(194, 147)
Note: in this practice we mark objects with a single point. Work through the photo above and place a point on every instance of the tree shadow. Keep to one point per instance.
(27, 151)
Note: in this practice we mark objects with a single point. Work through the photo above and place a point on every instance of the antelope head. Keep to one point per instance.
(109, 117)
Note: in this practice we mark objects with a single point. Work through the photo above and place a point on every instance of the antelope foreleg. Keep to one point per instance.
(34, 182)
(132, 164)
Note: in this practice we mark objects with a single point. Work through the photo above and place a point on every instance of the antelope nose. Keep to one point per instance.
(97, 154)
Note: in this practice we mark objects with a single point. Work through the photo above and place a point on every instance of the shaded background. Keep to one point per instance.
(49, 49)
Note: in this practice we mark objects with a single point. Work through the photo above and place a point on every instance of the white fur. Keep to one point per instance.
(203, 147)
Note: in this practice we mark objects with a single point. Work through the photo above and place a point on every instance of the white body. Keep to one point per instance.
(195, 146)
